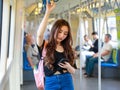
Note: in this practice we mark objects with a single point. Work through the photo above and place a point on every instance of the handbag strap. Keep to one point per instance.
(42, 51)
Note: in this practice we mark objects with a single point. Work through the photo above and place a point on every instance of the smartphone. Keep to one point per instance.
(63, 60)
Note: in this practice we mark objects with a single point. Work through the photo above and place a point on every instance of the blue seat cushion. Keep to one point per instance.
(26, 65)
(112, 61)
(106, 64)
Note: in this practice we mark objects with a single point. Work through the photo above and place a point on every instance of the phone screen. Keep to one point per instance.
(63, 60)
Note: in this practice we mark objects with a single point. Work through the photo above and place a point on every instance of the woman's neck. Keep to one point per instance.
(59, 48)
(58, 44)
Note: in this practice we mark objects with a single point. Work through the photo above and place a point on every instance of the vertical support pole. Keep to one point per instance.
(99, 44)
(80, 31)
(93, 24)
(69, 17)
(80, 44)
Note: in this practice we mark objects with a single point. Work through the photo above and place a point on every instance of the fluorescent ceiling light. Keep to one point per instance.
(39, 5)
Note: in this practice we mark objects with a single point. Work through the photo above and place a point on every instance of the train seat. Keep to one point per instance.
(27, 70)
(26, 65)
(113, 60)
(111, 68)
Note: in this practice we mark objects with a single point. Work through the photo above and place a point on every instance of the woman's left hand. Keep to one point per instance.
(64, 65)
(67, 66)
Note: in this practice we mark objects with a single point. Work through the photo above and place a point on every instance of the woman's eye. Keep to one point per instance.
(60, 31)
(65, 33)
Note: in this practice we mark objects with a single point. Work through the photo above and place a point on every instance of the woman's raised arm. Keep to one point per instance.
(43, 24)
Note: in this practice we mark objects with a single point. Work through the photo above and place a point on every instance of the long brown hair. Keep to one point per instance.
(66, 43)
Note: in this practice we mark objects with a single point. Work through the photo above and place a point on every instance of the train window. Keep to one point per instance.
(111, 21)
(1, 7)
(108, 25)
(102, 28)
(86, 27)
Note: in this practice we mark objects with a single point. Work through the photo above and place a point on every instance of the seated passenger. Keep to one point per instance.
(93, 49)
(32, 51)
(94, 46)
(105, 54)
(87, 44)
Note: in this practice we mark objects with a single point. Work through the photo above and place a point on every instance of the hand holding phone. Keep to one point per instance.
(63, 60)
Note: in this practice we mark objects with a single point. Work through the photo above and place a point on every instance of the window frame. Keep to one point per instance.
(1, 11)
(9, 30)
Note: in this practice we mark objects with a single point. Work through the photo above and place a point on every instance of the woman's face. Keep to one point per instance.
(62, 34)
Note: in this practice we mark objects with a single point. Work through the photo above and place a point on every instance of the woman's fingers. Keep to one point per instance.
(64, 65)
(50, 6)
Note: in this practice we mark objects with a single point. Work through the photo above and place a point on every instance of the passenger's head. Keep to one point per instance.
(61, 32)
(107, 37)
(95, 35)
(29, 39)
(86, 37)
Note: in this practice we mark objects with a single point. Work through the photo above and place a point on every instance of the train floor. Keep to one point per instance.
(86, 83)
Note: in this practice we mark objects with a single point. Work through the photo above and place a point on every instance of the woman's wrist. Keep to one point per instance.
(71, 69)
(47, 12)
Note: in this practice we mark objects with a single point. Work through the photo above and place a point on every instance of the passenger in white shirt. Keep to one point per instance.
(105, 54)
(87, 44)
(92, 49)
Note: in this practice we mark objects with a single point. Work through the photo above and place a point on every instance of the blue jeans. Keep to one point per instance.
(90, 62)
(59, 82)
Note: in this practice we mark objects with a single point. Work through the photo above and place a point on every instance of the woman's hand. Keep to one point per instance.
(50, 6)
(67, 66)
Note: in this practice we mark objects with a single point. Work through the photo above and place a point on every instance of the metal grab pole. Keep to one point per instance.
(80, 20)
(80, 37)
(69, 17)
(99, 51)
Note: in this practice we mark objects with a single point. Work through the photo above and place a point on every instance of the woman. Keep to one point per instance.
(57, 75)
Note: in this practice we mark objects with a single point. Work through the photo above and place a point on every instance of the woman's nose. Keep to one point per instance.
(62, 34)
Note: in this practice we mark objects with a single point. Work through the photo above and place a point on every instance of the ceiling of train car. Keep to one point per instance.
(65, 5)
(61, 5)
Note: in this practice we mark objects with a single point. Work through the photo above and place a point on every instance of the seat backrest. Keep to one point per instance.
(26, 65)
(113, 56)
(110, 60)
(118, 57)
